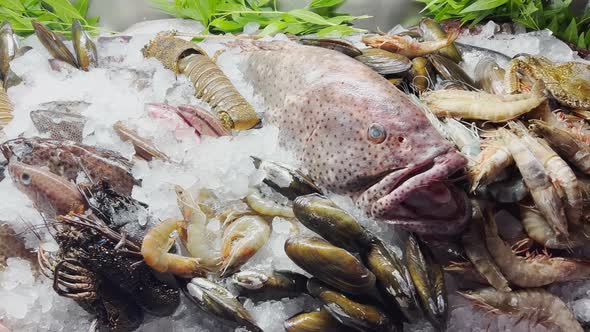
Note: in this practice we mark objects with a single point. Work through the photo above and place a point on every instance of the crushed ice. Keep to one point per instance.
(118, 91)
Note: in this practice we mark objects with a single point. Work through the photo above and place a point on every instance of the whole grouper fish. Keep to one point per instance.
(357, 134)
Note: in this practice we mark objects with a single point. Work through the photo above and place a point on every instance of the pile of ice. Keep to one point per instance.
(118, 91)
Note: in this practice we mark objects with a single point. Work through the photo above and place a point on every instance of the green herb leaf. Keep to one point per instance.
(226, 25)
(571, 32)
(310, 17)
(273, 28)
(337, 31)
(582, 41)
(480, 5)
(82, 7)
(64, 10)
(324, 3)
(15, 5)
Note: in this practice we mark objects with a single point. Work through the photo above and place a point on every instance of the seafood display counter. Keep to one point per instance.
(426, 179)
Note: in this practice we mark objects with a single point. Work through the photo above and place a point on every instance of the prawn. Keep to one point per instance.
(408, 46)
(241, 240)
(491, 161)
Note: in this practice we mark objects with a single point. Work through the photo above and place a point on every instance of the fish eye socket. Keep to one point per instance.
(25, 178)
(377, 133)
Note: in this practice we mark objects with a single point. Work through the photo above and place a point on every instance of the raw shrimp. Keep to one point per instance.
(481, 105)
(478, 254)
(155, 247)
(408, 46)
(538, 305)
(241, 240)
(531, 271)
(562, 176)
(266, 206)
(539, 230)
(194, 233)
(465, 138)
(492, 160)
(536, 179)
(565, 143)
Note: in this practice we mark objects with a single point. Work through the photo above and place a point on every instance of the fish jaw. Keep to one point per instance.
(418, 198)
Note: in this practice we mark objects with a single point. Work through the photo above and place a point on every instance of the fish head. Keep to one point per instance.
(17, 148)
(388, 154)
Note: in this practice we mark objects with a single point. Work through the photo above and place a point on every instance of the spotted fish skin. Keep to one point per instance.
(52, 195)
(12, 245)
(356, 134)
(59, 125)
(68, 159)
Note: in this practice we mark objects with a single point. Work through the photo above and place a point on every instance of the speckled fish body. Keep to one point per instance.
(52, 195)
(69, 159)
(12, 245)
(59, 125)
(357, 134)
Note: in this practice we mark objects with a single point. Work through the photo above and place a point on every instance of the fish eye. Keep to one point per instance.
(377, 133)
(25, 178)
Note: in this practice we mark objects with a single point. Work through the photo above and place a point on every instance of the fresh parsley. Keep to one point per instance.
(230, 16)
(57, 15)
(555, 15)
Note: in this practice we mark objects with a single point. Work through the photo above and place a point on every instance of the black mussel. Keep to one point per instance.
(332, 44)
(317, 321)
(384, 62)
(334, 266)
(53, 44)
(276, 285)
(431, 30)
(421, 76)
(286, 180)
(428, 278)
(325, 218)
(450, 70)
(393, 279)
(359, 316)
(9, 46)
(218, 301)
(84, 47)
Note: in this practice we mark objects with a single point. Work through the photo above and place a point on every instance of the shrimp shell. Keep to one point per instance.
(5, 107)
(480, 105)
(533, 271)
(539, 230)
(155, 247)
(490, 162)
(408, 46)
(241, 240)
(565, 144)
(545, 307)
(536, 179)
(478, 254)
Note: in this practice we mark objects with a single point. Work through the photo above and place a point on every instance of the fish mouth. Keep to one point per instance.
(421, 199)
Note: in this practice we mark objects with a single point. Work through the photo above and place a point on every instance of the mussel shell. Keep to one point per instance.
(325, 218)
(362, 317)
(277, 285)
(421, 75)
(8, 49)
(489, 75)
(286, 180)
(53, 44)
(431, 30)
(428, 278)
(384, 62)
(317, 321)
(334, 266)
(84, 47)
(218, 301)
(453, 85)
(393, 279)
(450, 70)
(332, 44)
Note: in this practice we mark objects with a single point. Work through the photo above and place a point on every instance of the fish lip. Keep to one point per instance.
(443, 165)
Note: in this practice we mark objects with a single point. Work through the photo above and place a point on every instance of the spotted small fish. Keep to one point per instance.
(69, 159)
(59, 125)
